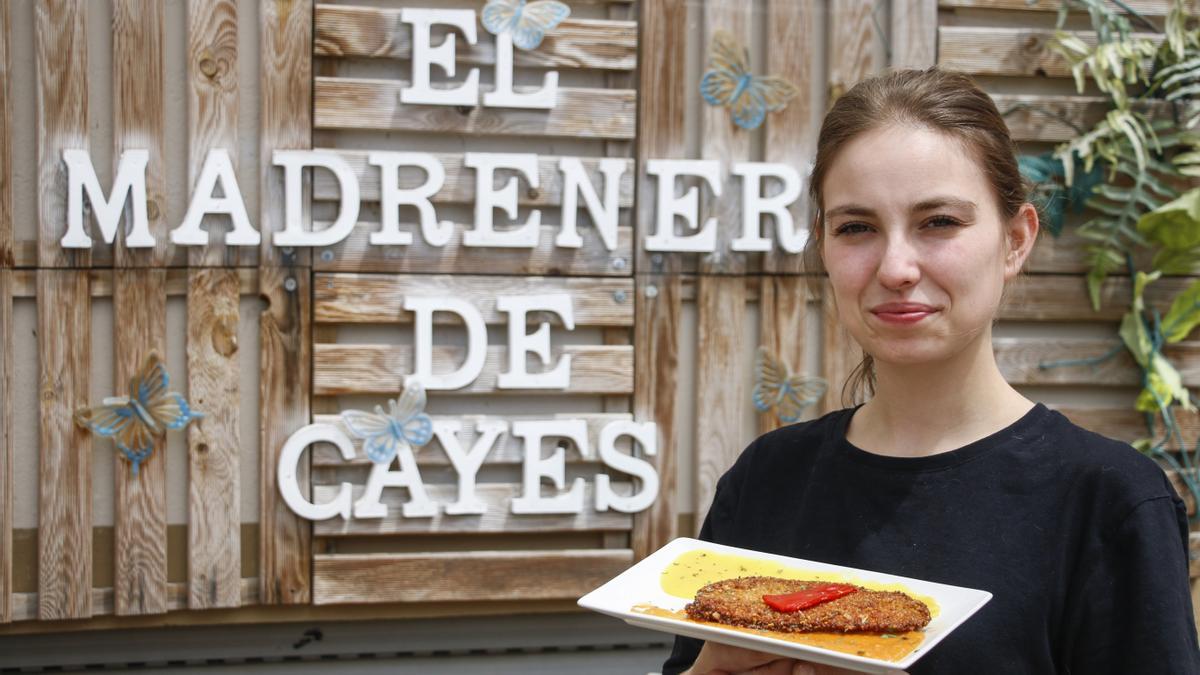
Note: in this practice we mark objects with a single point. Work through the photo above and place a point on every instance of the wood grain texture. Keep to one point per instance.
(6, 133)
(285, 362)
(212, 102)
(25, 604)
(839, 356)
(378, 33)
(855, 46)
(725, 142)
(1064, 298)
(1013, 52)
(914, 33)
(350, 103)
(782, 321)
(1146, 7)
(720, 382)
(64, 449)
(357, 254)
(100, 282)
(791, 133)
(508, 450)
(380, 369)
(1032, 117)
(497, 519)
(473, 576)
(214, 444)
(140, 570)
(459, 187)
(1036, 361)
(656, 338)
(1127, 424)
(62, 121)
(138, 119)
(285, 104)
(665, 97)
(6, 442)
(370, 298)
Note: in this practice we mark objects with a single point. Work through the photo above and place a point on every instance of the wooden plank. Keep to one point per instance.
(656, 354)
(363, 298)
(722, 140)
(357, 254)
(840, 354)
(914, 33)
(64, 449)
(140, 571)
(1012, 52)
(25, 604)
(508, 450)
(285, 335)
(6, 133)
(459, 187)
(138, 118)
(1127, 424)
(855, 45)
(286, 103)
(1065, 298)
(100, 282)
(497, 519)
(666, 96)
(720, 390)
(1026, 361)
(6, 437)
(350, 103)
(1144, 7)
(378, 33)
(212, 100)
(214, 444)
(62, 119)
(782, 320)
(380, 369)
(473, 576)
(791, 136)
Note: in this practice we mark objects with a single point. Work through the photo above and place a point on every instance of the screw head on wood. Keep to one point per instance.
(618, 263)
(652, 291)
(289, 284)
(327, 255)
(619, 296)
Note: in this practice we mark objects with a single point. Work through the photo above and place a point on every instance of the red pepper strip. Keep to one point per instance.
(809, 597)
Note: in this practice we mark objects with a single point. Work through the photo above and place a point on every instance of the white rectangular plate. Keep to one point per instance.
(640, 585)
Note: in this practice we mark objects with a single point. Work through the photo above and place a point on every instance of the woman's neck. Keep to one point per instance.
(927, 409)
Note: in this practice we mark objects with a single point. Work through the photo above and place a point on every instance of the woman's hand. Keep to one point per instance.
(719, 659)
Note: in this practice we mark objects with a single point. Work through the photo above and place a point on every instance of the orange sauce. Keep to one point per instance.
(884, 647)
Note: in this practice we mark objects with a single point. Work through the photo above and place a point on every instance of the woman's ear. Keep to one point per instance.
(1022, 234)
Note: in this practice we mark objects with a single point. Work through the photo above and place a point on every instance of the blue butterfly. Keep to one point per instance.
(776, 387)
(528, 23)
(135, 421)
(382, 433)
(728, 82)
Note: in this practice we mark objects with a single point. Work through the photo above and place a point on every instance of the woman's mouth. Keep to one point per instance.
(902, 313)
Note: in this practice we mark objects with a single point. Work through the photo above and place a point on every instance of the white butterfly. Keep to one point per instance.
(776, 387)
(528, 23)
(382, 433)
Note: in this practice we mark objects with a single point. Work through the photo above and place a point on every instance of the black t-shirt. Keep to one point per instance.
(1081, 540)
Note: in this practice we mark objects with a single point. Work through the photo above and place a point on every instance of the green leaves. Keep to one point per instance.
(1184, 314)
(1176, 224)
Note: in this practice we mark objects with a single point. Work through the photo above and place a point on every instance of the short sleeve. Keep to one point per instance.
(719, 518)
(1133, 613)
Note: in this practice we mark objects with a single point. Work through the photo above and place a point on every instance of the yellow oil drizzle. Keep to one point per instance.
(694, 569)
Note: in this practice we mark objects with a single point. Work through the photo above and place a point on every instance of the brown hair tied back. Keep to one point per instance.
(941, 100)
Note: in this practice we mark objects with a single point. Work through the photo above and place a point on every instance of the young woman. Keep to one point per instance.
(947, 473)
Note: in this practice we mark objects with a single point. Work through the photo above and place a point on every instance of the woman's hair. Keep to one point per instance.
(941, 100)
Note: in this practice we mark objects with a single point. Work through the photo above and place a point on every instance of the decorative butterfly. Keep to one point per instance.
(382, 433)
(728, 82)
(528, 23)
(776, 387)
(134, 422)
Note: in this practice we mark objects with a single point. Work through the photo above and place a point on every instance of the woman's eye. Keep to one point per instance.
(942, 222)
(850, 228)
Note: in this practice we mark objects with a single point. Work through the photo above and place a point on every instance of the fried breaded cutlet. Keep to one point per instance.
(739, 602)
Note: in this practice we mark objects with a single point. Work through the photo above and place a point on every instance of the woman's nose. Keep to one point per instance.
(900, 266)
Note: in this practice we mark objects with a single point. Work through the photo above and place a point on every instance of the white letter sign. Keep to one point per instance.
(755, 205)
(553, 467)
(293, 163)
(537, 342)
(289, 488)
(423, 341)
(391, 197)
(487, 199)
(218, 168)
(686, 207)
(424, 57)
(130, 183)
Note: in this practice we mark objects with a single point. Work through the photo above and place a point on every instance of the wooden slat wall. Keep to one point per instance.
(285, 333)
(6, 172)
(720, 384)
(6, 320)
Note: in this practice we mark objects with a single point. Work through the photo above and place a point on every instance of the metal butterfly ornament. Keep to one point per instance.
(728, 82)
(134, 422)
(776, 387)
(527, 22)
(383, 433)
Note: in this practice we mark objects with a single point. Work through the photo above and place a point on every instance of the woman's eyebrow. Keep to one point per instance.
(923, 205)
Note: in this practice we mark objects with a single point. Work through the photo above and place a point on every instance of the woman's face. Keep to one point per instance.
(915, 245)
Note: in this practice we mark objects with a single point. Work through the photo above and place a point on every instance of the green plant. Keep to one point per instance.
(1132, 172)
